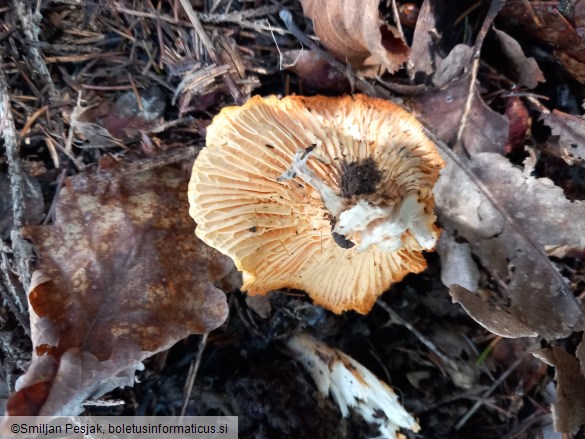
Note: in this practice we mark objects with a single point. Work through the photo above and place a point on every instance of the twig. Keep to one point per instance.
(532, 12)
(465, 13)
(396, 16)
(495, 7)
(489, 391)
(31, 32)
(72, 124)
(51, 212)
(21, 250)
(193, 373)
(8, 291)
(30, 121)
(239, 18)
(424, 340)
(136, 93)
(215, 58)
(12, 152)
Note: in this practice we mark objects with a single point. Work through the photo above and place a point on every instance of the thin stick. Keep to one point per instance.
(193, 373)
(532, 12)
(136, 93)
(424, 340)
(22, 251)
(495, 7)
(31, 32)
(12, 153)
(31, 120)
(396, 16)
(489, 391)
(137, 166)
(51, 212)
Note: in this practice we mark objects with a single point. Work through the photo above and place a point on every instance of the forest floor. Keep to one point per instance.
(97, 92)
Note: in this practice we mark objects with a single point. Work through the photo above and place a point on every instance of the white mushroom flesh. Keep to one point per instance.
(366, 224)
(352, 385)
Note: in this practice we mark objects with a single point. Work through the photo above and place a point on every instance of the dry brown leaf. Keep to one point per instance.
(569, 408)
(454, 65)
(441, 110)
(128, 116)
(123, 277)
(354, 32)
(535, 293)
(489, 314)
(423, 57)
(435, 34)
(457, 265)
(571, 132)
(525, 70)
(553, 28)
(104, 125)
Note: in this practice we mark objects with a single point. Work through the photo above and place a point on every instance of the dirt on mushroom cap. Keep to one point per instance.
(280, 178)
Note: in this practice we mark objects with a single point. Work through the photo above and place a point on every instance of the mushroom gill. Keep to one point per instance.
(332, 196)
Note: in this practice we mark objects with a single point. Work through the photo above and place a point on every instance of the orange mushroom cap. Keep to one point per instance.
(328, 195)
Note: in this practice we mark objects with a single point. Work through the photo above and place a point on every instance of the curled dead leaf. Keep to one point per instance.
(569, 408)
(509, 239)
(492, 317)
(454, 65)
(525, 70)
(121, 278)
(457, 265)
(354, 32)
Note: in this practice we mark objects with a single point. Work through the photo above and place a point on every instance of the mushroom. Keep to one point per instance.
(332, 196)
(352, 386)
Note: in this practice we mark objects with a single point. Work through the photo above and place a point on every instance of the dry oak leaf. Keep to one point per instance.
(354, 33)
(511, 246)
(122, 278)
